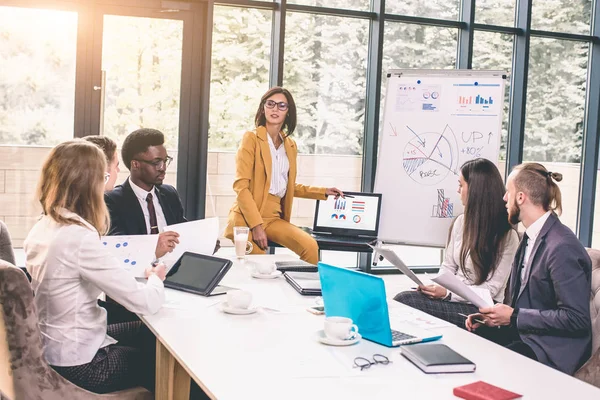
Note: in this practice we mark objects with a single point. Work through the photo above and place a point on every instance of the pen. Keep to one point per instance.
(476, 320)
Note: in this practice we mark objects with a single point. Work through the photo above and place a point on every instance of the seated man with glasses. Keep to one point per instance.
(143, 204)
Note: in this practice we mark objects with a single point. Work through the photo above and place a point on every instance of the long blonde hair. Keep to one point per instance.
(73, 178)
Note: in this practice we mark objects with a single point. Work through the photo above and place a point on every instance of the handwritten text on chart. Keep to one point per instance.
(429, 174)
(476, 137)
(472, 151)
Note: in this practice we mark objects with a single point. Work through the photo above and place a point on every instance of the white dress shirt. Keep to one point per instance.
(532, 233)
(70, 267)
(280, 168)
(141, 195)
(497, 283)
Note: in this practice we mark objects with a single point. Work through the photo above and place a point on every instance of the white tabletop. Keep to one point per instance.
(274, 354)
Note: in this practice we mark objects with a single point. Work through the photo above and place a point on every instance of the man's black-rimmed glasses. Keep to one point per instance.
(158, 164)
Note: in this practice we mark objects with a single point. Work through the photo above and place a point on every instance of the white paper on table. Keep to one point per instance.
(392, 257)
(134, 252)
(401, 314)
(198, 237)
(455, 285)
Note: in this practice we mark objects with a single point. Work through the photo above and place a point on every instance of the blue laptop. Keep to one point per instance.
(361, 297)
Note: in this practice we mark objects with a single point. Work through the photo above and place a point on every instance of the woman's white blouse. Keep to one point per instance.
(497, 283)
(70, 267)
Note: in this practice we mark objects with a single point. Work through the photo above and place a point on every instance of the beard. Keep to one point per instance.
(514, 214)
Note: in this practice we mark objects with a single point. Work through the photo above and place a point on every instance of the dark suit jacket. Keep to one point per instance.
(554, 304)
(126, 215)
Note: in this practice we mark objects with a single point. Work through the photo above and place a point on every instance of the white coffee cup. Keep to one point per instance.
(340, 328)
(265, 268)
(240, 299)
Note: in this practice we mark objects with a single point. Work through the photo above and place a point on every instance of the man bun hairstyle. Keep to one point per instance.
(540, 185)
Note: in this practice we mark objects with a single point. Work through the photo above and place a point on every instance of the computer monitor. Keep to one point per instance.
(354, 215)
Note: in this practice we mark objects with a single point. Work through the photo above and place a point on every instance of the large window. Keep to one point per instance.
(493, 51)
(555, 111)
(495, 12)
(325, 69)
(239, 77)
(362, 5)
(37, 75)
(37, 98)
(440, 9)
(141, 58)
(571, 16)
(141, 63)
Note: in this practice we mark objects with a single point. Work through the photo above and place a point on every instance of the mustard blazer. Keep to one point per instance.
(253, 179)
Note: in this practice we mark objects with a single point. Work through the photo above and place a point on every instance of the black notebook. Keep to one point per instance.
(437, 358)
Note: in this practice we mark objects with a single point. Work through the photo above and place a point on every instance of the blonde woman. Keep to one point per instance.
(70, 267)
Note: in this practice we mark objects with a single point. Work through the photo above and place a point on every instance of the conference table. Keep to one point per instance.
(273, 353)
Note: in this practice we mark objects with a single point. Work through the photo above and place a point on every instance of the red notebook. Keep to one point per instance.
(484, 391)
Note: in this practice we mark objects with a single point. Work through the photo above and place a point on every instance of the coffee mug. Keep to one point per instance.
(240, 238)
(340, 328)
(265, 269)
(240, 299)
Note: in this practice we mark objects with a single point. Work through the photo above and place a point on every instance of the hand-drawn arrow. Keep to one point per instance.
(418, 137)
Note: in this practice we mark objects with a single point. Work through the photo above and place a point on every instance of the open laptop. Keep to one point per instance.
(361, 297)
(353, 219)
(199, 274)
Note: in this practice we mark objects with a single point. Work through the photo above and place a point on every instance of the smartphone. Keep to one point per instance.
(480, 320)
(317, 310)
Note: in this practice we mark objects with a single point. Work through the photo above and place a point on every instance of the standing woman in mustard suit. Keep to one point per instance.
(265, 180)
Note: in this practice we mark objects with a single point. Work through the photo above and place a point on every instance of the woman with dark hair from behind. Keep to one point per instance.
(265, 180)
(70, 267)
(481, 246)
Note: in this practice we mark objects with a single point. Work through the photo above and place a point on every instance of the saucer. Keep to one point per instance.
(237, 311)
(272, 275)
(321, 337)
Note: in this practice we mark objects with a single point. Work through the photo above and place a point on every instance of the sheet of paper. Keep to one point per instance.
(455, 285)
(391, 256)
(401, 314)
(198, 237)
(134, 252)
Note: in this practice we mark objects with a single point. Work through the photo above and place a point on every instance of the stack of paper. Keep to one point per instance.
(134, 252)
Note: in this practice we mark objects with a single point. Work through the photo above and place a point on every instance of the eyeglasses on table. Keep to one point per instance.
(364, 363)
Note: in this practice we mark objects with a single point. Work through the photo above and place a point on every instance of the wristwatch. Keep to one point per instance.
(513, 317)
(448, 296)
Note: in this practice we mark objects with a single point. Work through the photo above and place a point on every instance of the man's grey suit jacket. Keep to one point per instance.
(554, 299)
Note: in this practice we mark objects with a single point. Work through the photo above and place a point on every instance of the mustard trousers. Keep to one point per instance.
(285, 233)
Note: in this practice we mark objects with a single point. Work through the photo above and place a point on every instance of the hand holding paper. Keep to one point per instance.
(195, 236)
(391, 256)
(455, 285)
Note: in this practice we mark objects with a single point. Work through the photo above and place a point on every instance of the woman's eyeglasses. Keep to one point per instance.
(364, 363)
(282, 106)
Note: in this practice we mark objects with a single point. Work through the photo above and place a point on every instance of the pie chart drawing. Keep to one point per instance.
(429, 157)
